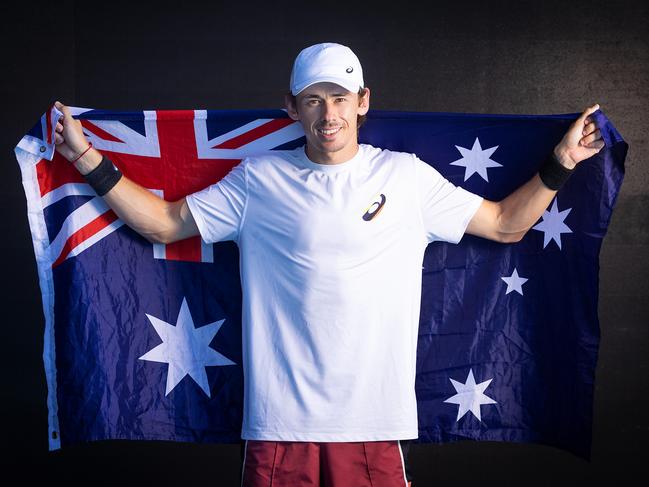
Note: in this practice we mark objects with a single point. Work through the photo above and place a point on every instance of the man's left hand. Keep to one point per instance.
(582, 140)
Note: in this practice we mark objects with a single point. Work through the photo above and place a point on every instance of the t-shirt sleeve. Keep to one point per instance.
(446, 209)
(219, 209)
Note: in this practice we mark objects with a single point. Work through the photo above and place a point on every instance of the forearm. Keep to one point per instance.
(522, 208)
(147, 214)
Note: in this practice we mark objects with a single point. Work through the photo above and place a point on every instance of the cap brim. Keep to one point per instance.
(344, 83)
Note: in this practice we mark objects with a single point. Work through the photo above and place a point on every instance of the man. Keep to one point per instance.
(331, 237)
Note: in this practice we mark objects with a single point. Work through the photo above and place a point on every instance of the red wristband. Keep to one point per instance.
(81, 155)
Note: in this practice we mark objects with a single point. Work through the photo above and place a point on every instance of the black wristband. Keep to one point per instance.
(553, 173)
(104, 176)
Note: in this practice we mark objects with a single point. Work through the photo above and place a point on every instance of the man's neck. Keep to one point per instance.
(331, 158)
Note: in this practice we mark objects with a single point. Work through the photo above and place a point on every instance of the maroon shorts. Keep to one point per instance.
(306, 464)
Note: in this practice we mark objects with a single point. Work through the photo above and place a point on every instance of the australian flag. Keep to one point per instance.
(143, 341)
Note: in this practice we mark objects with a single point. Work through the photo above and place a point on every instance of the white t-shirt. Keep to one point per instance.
(331, 295)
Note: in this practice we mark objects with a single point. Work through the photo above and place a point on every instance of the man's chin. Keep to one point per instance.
(331, 148)
(326, 145)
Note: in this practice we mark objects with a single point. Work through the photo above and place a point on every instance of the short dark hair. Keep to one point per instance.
(360, 119)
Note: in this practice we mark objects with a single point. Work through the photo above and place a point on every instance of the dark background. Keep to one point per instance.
(491, 57)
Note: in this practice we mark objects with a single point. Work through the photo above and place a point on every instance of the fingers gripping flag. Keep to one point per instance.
(143, 341)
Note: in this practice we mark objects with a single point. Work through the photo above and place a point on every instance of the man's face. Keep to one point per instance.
(328, 114)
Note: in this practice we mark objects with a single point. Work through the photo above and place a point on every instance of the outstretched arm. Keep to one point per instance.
(157, 220)
(508, 220)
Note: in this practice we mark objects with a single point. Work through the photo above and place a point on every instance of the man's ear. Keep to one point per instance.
(291, 108)
(364, 102)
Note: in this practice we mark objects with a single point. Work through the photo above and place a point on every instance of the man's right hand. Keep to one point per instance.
(70, 141)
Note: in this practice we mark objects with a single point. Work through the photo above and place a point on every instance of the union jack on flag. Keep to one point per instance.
(151, 153)
(508, 334)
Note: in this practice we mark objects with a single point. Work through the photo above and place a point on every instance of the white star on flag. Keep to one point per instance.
(470, 396)
(476, 160)
(186, 349)
(514, 282)
(552, 225)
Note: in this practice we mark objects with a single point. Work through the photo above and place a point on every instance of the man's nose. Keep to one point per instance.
(328, 111)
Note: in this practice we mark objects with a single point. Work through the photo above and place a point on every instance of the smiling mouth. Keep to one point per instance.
(329, 131)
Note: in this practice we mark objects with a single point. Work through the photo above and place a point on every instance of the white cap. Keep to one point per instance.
(327, 62)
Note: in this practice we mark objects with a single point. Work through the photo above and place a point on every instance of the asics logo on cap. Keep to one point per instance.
(349, 69)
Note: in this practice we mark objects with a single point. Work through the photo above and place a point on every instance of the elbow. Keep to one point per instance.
(158, 238)
(165, 231)
(154, 239)
(504, 231)
(512, 237)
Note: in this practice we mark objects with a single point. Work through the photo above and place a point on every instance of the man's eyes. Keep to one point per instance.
(316, 101)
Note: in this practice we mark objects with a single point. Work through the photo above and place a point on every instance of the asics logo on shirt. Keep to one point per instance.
(374, 208)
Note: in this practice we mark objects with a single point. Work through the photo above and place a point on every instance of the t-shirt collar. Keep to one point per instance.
(341, 166)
